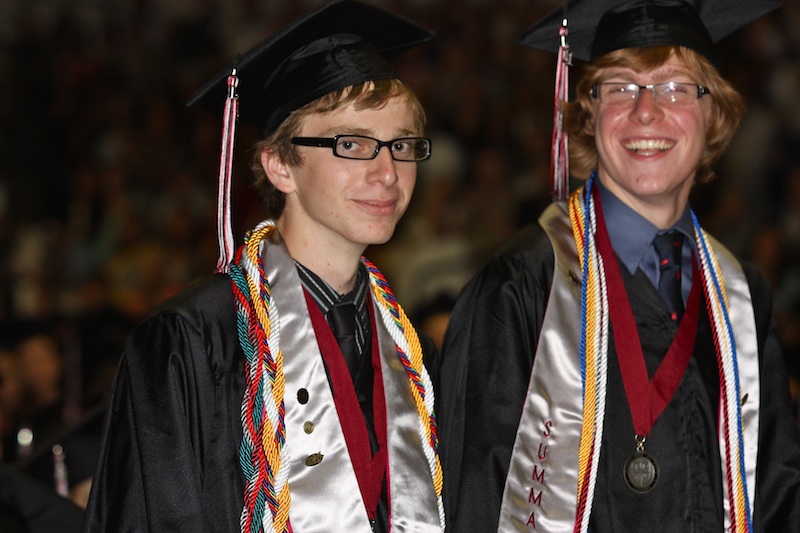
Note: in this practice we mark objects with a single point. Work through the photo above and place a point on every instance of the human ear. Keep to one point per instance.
(588, 125)
(277, 171)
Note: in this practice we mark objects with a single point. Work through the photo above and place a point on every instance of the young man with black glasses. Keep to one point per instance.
(289, 393)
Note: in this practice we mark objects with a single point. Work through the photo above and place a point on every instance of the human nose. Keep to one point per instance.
(646, 108)
(386, 166)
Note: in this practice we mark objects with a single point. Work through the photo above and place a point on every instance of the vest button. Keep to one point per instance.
(314, 459)
(302, 396)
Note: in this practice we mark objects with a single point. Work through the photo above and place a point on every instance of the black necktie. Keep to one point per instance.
(668, 246)
(342, 318)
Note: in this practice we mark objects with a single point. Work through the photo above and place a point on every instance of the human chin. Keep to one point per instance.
(379, 229)
(375, 233)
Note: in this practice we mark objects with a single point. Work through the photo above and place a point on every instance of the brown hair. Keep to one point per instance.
(726, 110)
(368, 95)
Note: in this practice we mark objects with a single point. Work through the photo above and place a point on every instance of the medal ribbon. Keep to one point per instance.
(737, 423)
(647, 399)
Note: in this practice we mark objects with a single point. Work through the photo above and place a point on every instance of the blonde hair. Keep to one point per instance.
(368, 95)
(727, 105)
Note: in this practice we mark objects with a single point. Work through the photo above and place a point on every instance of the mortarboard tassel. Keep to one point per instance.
(60, 478)
(224, 229)
(559, 158)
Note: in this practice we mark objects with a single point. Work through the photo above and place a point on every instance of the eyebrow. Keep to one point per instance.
(659, 76)
(668, 75)
(366, 132)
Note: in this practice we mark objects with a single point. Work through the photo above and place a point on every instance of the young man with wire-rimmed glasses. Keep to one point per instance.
(614, 368)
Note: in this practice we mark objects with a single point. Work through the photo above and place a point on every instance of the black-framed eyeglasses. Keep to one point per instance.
(670, 92)
(363, 147)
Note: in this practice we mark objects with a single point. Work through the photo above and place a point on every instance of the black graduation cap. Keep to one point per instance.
(597, 27)
(340, 43)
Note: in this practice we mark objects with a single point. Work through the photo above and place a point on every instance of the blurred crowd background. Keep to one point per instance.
(108, 181)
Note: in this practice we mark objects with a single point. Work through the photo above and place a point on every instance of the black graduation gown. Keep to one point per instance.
(486, 363)
(169, 461)
(169, 458)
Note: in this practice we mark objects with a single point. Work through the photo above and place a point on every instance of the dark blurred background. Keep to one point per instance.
(108, 182)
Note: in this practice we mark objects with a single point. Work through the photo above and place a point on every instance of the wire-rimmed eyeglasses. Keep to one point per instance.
(671, 92)
(363, 147)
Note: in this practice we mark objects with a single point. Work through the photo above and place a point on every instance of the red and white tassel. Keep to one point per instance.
(559, 157)
(224, 228)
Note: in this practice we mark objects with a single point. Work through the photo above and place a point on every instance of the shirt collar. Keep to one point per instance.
(326, 296)
(631, 234)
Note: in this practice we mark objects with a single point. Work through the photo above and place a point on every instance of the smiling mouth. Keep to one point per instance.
(379, 207)
(378, 203)
(643, 146)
